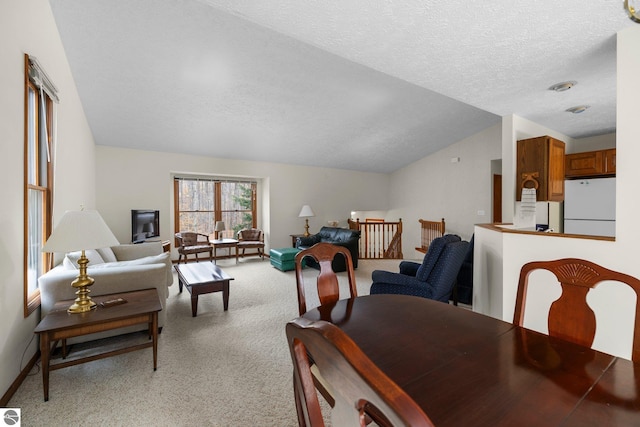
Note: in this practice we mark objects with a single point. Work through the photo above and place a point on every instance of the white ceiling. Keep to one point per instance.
(369, 85)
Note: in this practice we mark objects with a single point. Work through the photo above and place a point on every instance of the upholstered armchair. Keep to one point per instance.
(434, 278)
(251, 238)
(463, 290)
(190, 243)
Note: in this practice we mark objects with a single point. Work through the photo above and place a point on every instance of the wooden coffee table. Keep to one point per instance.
(203, 278)
(140, 307)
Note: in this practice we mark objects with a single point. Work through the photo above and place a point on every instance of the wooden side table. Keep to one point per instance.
(224, 243)
(140, 307)
(293, 239)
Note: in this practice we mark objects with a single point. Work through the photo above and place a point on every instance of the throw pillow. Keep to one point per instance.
(71, 259)
(107, 255)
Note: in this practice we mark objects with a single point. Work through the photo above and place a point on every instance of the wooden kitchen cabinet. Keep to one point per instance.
(610, 161)
(591, 164)
(540, 165)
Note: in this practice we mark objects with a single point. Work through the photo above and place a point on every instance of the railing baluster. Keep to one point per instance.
(378, 239)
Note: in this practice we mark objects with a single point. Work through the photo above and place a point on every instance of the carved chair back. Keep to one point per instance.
(327, 282)
(570, 317)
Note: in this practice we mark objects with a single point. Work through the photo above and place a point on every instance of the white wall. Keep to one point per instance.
(599, 142)
(27, 26)
(284, 189)
(620, 255)
(434, 188)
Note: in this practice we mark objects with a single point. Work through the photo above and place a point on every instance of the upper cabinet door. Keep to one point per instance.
(591, 164)
(610, 161)
(541, 163)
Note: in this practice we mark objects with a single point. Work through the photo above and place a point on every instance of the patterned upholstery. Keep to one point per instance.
(433, 254)
(190, 243)
(440, 268)
(251, 238)
(464, 287)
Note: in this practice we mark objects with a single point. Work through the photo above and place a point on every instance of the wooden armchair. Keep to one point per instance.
(251, 238)
(362, 391)
(191, 243)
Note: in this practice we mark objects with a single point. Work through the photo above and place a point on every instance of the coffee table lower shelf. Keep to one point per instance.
(142, 307)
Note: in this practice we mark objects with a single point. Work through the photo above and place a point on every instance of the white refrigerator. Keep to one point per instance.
(590, 206)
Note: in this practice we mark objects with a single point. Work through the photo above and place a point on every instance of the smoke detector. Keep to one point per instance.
(561, 87)
(578, 109)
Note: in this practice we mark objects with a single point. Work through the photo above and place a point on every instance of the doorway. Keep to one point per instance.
(497, 198)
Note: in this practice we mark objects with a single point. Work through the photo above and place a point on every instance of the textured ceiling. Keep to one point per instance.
(366, 85)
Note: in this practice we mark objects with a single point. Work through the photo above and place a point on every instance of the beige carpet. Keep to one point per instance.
(218, 369)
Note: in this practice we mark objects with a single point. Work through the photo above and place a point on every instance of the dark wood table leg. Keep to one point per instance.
(179, 285)
(194, 304)
(44, 354)
(154, 334)
(225, 295)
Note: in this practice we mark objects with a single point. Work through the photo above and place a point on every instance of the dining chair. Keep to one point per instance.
(362, 391)
(328, 291)
(327, 282)
(570, 317)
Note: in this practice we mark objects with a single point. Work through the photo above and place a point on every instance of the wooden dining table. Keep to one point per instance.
(467, 369)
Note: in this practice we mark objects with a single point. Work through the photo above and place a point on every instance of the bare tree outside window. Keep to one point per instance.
(202, 202)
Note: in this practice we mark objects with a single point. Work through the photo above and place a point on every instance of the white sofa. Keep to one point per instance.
(117, 269)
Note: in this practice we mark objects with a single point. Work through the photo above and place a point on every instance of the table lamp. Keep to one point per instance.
(77, 231)
(305, 213)
(220, 226)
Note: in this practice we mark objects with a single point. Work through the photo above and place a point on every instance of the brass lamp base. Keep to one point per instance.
(83, 302)
(306, 227)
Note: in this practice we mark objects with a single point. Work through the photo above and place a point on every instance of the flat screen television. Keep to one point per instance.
(145, 224)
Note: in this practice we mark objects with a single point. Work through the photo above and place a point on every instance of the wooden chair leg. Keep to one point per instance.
(299, 408)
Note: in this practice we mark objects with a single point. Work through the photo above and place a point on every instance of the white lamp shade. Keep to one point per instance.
(306, 211)
(220, 226)
(80, 230)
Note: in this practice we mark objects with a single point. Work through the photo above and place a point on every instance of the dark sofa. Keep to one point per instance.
(338, 236)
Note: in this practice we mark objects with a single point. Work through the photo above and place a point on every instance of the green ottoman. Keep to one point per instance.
(283, 259)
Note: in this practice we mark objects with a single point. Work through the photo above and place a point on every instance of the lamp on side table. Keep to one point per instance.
(77, 231)
(306, 212)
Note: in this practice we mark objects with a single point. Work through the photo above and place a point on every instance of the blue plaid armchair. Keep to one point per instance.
(433, 279)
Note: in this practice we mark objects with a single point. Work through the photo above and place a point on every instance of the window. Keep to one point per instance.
(40, 94)
(200, 202)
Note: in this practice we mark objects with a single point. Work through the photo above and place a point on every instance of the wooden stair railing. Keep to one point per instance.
(378, 239)
(429, 230)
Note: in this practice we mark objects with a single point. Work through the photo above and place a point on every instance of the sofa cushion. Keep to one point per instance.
(134, 251)
(70, 260)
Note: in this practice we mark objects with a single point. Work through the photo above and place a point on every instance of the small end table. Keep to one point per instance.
(294, 237)
(140, 307)
(224, 243)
